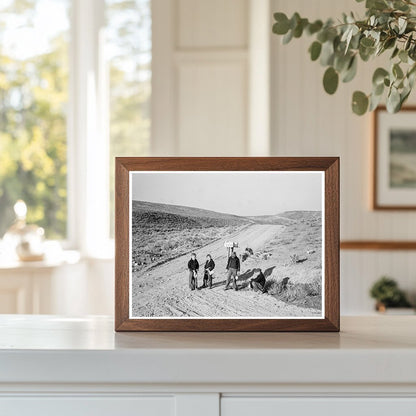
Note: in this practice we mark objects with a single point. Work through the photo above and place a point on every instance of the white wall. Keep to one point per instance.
(202, 86)
(308, 122)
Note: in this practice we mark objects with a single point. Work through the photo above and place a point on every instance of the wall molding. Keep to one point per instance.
(377, 245)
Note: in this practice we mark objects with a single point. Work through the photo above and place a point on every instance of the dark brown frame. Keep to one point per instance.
(376, 205)
(330, 165)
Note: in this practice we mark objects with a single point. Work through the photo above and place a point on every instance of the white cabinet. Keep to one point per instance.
(271, 406)
(88, 406)
(52, 365)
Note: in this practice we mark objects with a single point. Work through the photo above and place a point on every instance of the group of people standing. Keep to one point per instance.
(193, 267)
(233, 270)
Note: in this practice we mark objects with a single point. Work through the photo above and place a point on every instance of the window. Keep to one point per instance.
(33, 102)
(75, 88)
(129, 43)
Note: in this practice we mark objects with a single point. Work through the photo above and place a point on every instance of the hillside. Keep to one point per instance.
(162, 232)
(164, 236)
(192, 217)
(271, 219)
(301, 215)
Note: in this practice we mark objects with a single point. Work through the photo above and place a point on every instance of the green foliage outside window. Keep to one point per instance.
(33, 99)
(34, 103)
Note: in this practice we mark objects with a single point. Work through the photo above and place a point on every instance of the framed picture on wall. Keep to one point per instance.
(394, 159)
(227, 244)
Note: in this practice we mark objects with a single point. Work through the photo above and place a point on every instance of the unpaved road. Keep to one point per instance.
(163, 291)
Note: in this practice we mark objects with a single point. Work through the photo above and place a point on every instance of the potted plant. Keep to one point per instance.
(387, 294)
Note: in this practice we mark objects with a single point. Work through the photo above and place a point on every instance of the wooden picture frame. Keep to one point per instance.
(328, 166)
(395, 199)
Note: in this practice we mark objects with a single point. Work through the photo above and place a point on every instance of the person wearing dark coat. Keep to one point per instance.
(193, 267)
(258, 283)
(233, 268)
(208, 272)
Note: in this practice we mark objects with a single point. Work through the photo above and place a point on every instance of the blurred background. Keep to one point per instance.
(83, 81)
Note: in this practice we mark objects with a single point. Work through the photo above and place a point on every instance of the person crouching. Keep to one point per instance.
(208, 272)
(193, 267)
(258, 283)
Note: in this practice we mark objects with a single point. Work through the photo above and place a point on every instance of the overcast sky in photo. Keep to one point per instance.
(238, 193)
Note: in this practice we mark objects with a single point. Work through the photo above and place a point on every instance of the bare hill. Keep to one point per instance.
(301, 215)
(185, 216)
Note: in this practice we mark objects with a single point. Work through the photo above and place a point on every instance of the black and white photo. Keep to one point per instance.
(224, 244)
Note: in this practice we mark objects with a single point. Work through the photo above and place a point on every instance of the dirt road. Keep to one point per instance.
(163, 291)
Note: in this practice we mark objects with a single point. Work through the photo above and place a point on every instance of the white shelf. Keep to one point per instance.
(48, 349)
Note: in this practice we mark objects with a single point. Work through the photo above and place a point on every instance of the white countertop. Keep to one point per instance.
(49, 349)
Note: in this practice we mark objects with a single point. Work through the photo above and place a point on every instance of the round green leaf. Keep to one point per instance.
(314, 27)
(389, 43)
(281, 27)
(378, 89)
(366, 53)
(403, 55)
(350, 73)
(408, 42)
(393, 101)
(374, 102)
(397, 71)
(315, 50)
(395, 52)
(288, 37)
(367, 42)
(379, 75)
(330, 80)
(359, 103)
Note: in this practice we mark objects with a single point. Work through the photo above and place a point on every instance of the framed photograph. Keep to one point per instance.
(227, 244)
(394, 179)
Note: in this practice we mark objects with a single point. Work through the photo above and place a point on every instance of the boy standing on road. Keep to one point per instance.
(193, 267)
(233, 267)
(208, 272)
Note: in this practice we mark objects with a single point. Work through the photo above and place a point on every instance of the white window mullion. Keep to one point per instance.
(88, 141)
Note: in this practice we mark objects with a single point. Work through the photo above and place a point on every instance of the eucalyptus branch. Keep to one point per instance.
(388, 26)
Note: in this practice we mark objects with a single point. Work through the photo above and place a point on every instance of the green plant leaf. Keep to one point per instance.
(408, 42)
(341, 61)
(315, 50)
(374, 102)
(298, 30)
(327, 53)
(379, 75)
(281, 27)
(402, 22)
(389, 43)
(376, 4)
(314, 27)
(397, 71)
(288, 37)
(359, 103)
(393, 101)
(367, 42)
(351, 70)
(330, 80)
(395, 52)
(403, 56)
